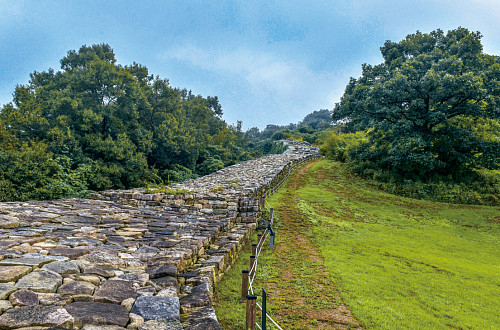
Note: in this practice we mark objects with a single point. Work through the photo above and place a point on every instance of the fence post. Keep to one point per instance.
(262, 202)
(259, 238)
(271, 212)
(244, 285)
(264, 309)
(272, 234)
(252, 262)
(254, 249)
(251, 306)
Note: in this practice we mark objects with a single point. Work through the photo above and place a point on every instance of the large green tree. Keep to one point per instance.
(424, 104)
(96, 124)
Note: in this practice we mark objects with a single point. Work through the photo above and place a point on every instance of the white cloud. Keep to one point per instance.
(277, 84)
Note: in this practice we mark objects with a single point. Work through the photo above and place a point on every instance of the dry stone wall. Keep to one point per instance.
(129, 259)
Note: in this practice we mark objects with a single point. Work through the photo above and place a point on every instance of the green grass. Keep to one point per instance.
(398, 263)
(404, 263)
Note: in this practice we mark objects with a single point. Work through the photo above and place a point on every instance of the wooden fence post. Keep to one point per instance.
(254, 249)
(244, 285)
(251, 311)
(252, 262)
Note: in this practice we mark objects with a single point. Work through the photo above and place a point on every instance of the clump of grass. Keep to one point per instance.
(216, 190)
(167, 190)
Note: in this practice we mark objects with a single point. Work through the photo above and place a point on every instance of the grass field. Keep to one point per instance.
(394, 262)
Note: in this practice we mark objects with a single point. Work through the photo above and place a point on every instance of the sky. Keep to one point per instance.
(269, 62)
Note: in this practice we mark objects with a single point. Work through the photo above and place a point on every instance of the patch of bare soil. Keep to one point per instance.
(305, 296)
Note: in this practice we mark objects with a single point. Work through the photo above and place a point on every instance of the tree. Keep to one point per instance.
(417, 102)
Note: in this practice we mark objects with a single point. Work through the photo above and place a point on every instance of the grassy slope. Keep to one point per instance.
(397, 262)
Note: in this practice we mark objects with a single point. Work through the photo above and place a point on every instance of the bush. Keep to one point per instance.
(339, 146)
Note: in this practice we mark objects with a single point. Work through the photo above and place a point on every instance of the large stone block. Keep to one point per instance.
(155, 308)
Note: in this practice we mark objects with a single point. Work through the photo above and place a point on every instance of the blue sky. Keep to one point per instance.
(267, 61)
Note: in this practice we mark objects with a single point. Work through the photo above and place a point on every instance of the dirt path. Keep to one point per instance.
(304, 295)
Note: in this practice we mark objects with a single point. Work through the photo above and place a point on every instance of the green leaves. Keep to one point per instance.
(99, 125)
(412, 99)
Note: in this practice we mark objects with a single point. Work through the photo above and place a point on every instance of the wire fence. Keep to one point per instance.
(248, 276)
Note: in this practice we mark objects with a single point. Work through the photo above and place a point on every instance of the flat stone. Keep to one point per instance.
(164, 282)
(6, 289)
(154, 308)
(31, 316)
(97, 313)
(76, 288)
(24, 298)
(54, 299)
(146, 291)
(31, 262)
(7, 222)
(101, 271)
(115, 291)
(5, 305)
(94, 279)
(13, 273)
(67, 252)
(62, 267)
(161, 324)
(202, 318)
(43, 256)
(168, 292)
(199, 297)
(103, 259)
(140, 278)
(43, 281)
(102, 327)
(161, 271)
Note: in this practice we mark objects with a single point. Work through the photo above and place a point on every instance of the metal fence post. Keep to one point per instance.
(271, 231)
(251, 306)
(271, 212)
(264, 309)
(244, 284)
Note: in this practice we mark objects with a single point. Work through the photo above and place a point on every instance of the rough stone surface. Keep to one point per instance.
(161, 271)
(98, 314)
(152, 246)
(154, 308)
(6, 289)
(161, 325)
(115, 292)
(43, 281)
(76, 288)
(199, 297)
(62, 267)
(23, 298)
(30, 316)
(202, 318)
(13, 273)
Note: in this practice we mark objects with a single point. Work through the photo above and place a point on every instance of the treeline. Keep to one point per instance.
(308, 129)
(96, 125)
(425, 123)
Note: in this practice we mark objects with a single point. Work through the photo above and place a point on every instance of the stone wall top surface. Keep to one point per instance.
(83, 264)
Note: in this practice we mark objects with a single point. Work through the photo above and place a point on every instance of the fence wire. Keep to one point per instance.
(267, 206)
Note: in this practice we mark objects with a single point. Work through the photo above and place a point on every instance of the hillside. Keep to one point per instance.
(395, 262)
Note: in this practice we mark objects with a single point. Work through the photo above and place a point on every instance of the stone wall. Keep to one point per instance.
(129, 258)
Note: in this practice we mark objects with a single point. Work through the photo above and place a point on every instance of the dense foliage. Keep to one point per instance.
(430, 111)
(96, 125)
(309, 129)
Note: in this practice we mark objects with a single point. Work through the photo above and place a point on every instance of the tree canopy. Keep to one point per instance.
(431, 108)
(96, 124)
